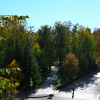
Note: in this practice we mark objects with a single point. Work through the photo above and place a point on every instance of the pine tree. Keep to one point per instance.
(30, 65)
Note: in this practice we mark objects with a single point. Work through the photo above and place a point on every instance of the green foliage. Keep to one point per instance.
(54, 87)
(30, 66)
(59, 81)
(98, 61)
(8, 84)
(54, 63)
(37, 52)
(96, 35)
(83, 64)
(60, 33)
(51, 69)
(19, 46)
(87, 47)
(45, 41)
(0, 38)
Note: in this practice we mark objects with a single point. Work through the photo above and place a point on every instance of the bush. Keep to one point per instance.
(58, 81)
(54, 87)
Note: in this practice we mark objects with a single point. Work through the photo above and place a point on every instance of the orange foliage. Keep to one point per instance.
(15, 65)
(13, 18)
(3, 31)
(98, 61)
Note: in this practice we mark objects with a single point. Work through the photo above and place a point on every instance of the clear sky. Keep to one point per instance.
(47, 12)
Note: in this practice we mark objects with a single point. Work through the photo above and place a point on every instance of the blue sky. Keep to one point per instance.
(47, 12)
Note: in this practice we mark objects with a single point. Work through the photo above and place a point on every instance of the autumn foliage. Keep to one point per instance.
(98, 62)
(9, 82)
(15, 69)
(70, 66)
(33, 53)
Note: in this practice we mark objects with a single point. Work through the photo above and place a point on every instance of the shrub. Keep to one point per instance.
(54, 87)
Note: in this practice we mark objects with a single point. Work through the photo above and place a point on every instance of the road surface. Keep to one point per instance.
(87, 88)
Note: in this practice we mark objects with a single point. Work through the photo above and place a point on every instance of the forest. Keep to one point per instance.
(25, 53)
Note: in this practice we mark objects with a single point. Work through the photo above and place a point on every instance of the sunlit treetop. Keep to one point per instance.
(10, 19)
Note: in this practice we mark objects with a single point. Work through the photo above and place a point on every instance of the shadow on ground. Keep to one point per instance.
(82, 83)
(26, 94)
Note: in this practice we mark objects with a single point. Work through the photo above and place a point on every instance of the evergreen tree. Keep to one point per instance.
(46, 45)
(60, 41)
(30, 66)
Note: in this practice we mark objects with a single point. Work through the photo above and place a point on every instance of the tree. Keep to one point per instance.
(30, 66)
(45, 42)
(70, 66)
(60, 41)
(83, 64)
(68, 38)
(86, 46)
(9, 51)
(74, 38)
(96, 34)
(98, 61)
(9, 29)
(19, 46)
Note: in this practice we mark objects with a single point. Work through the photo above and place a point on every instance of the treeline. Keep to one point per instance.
(73, 48)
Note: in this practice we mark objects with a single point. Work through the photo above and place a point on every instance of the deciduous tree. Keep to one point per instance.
(70, 66)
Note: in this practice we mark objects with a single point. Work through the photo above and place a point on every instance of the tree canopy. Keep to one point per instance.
(74, 47)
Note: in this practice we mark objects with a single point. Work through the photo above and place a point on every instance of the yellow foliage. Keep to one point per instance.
(70, 40)
(36, 48)
(13, 18)
(36, 36)
(15, 65)
(37, 45)
(70, 66)
(98, 61)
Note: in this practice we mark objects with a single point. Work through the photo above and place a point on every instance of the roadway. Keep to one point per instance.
(87, 88)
